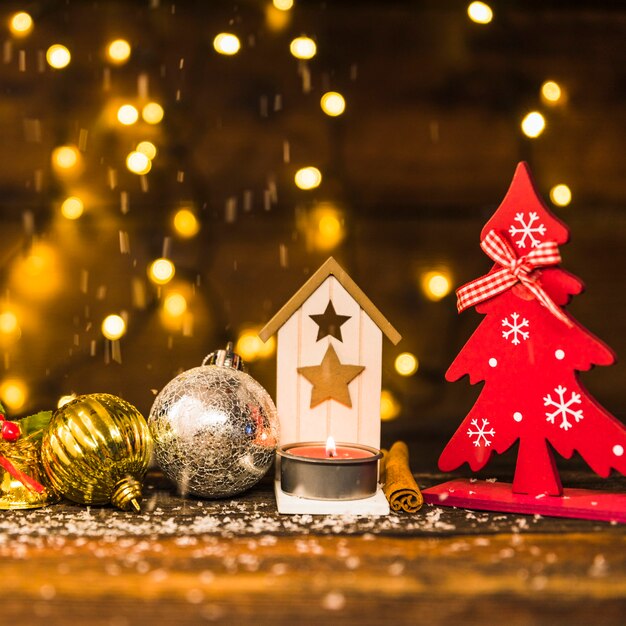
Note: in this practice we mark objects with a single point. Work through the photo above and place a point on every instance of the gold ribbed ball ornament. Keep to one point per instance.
(96, 450)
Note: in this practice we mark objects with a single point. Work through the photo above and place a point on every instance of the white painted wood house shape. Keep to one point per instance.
(329, 361)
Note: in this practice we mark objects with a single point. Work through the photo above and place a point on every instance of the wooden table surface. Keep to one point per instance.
(239, 562)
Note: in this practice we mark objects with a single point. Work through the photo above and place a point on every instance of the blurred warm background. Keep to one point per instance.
(171, 172)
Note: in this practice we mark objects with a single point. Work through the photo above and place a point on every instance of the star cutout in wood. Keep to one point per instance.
(329, 322)
(330, 379)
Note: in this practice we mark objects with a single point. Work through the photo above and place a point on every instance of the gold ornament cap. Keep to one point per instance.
(225, 358)
(126, 494)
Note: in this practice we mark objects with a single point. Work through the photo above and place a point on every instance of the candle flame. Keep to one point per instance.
(331, 447)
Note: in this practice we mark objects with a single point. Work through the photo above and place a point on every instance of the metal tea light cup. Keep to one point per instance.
(330, 478)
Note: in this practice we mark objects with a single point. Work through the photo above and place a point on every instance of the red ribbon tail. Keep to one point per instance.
(561, 316)
(26, 480)
(545, 300)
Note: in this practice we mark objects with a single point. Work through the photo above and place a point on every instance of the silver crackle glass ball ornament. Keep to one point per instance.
(215, 428)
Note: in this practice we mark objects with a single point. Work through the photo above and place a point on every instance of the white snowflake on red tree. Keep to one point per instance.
(481, 432)
(514, 328)
(527, 230)
(563, 407)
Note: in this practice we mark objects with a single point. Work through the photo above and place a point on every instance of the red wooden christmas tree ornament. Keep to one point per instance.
(528, 351)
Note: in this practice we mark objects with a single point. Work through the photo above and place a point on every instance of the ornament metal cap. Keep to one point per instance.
(225, 358)
(127, 494)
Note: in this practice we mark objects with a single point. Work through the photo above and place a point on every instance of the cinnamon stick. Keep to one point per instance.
(400, 487)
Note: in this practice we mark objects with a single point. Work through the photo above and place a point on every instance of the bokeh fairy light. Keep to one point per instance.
(113, 326)
(308, 177)
(186, 223)
(551, 92)
(480, 12)
(533, 124)
(561, 195)
(8, 322)
(13, 393)
(303, 48)
(66, 159)
(21, 24)
(138, 162)
(147, 148)
(127, 114)
(283, 5)
(406, 364)
(227, 44)
(58, 56)
(118, 51)
(161, 271)
(333, 103)
(72, 208)
(152, 113)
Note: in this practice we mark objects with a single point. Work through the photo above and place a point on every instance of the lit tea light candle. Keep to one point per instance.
(329, 471)
(329, 451)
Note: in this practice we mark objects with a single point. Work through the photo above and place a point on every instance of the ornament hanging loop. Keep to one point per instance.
(225, 358)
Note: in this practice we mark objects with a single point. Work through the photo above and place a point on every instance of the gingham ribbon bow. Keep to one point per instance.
(514, 269)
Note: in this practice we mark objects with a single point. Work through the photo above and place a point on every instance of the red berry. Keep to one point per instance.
(1, 417)
(10, 431)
